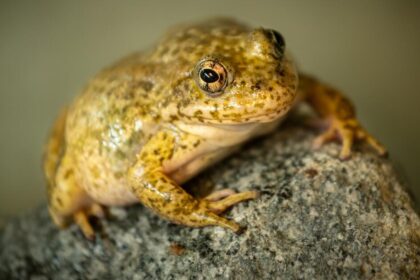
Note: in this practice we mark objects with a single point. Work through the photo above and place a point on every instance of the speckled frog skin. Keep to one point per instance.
(154, 119)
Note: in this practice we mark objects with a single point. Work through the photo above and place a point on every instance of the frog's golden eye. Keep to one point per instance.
(211, 76)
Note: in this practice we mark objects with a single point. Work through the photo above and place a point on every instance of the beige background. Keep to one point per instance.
(48, 50)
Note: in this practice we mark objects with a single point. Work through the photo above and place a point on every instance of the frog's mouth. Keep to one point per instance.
(236, 117)
(245, 120)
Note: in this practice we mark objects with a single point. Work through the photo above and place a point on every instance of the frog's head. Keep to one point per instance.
(225, 73)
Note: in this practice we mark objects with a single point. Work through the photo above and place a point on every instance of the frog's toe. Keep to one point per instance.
(81, 218)
(372, 141)
(222, 205)
(348, 131)
(97, 210)
(325, 137)
(59, 220)
(219, 194)
(337, 130)
(353, 131)
(228, 224)
(347, 137)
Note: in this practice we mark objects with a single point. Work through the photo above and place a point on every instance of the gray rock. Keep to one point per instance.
(317, 218)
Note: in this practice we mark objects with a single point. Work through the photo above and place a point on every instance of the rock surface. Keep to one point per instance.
(317, 218)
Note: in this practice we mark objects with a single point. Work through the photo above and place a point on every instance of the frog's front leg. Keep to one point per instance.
(334, 107)
(150, 182)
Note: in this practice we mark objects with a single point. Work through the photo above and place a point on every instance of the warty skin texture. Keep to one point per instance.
(154, 119)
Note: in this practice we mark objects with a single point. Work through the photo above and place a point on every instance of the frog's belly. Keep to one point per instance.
(114, 192)
(117, 194)
(104, 179)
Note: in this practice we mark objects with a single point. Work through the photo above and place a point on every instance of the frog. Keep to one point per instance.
(153, 120)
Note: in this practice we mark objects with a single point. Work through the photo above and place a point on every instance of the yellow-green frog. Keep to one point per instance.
(153, 120)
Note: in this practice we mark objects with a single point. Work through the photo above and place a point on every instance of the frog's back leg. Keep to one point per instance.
(67, 201)
(54, 149)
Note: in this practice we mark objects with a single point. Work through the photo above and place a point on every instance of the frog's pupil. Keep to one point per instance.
(209, 75)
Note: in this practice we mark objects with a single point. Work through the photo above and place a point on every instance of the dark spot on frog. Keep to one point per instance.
(119, 175)
(280, 71)
(215, 114)
(145, 85)
(173, 117)
(119, 154)
(129, 95)
(257, 85)
(164, 136)
(330, 93)
(59, 201)
(68, 173)
(174, 51)
(311, 172)
(259, 105)
(198, 113)
(188, 49)
(187, 87)
(196, 143)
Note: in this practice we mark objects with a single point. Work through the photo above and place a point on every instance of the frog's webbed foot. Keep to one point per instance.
(334, 107)
(81, 218)
(219, 201)
(160, 193)
(348, 131)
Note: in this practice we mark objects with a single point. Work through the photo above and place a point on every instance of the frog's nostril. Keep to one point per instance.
(278, 41)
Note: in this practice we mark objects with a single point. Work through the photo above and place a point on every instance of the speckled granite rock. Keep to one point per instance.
(317, 218)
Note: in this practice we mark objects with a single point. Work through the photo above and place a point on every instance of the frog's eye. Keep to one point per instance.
(211, 76)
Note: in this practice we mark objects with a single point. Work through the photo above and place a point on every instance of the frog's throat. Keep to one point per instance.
(226, 134)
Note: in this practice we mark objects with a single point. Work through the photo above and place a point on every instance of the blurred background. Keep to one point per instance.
(49, 49)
